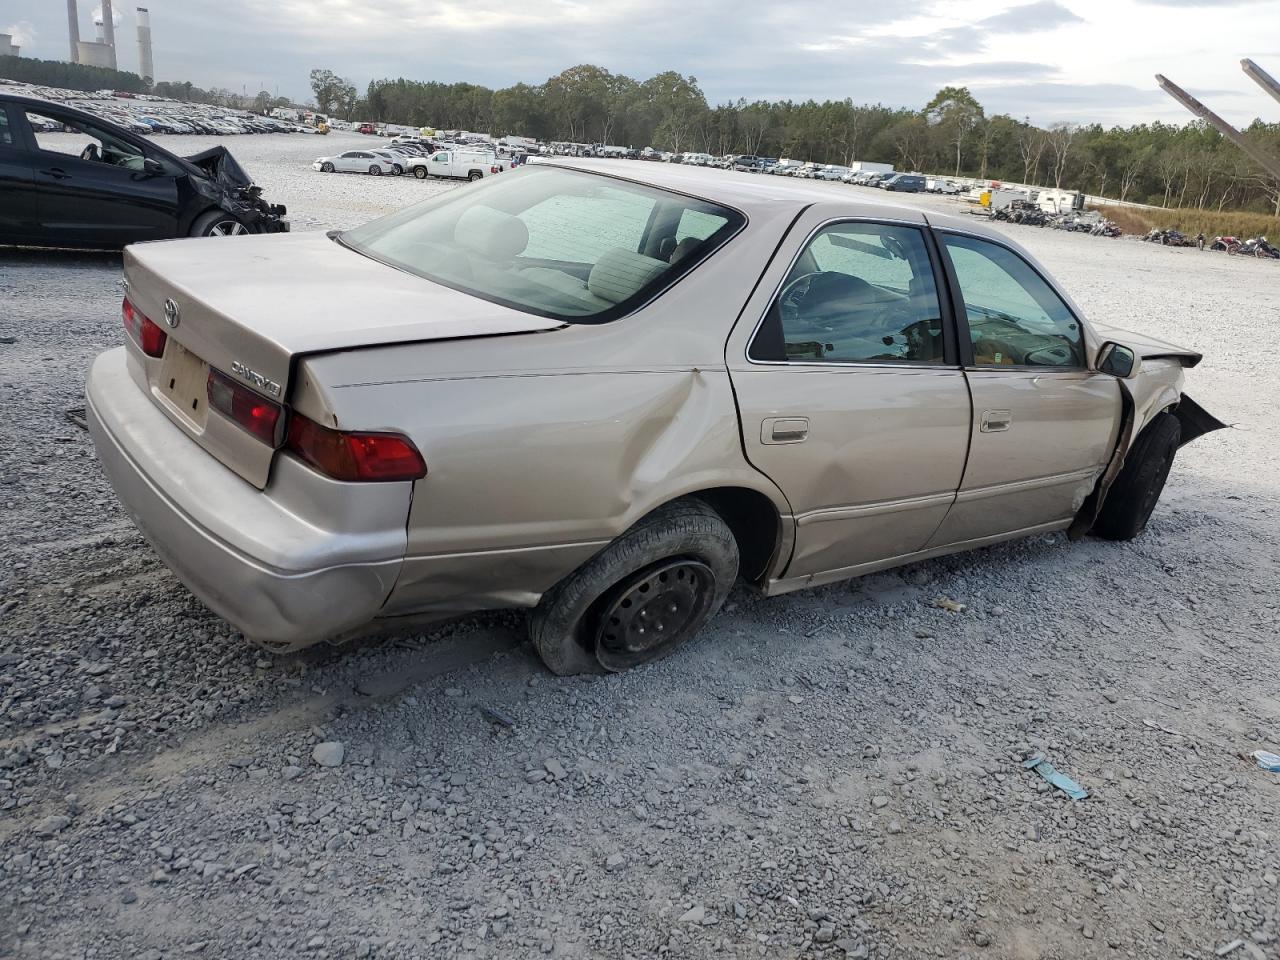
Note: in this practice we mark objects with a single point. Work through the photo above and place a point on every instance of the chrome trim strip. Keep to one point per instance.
(857, 511)
(1022, 486)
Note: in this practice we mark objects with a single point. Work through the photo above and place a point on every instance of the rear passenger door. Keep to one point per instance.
(1044, 425)
(850, 391)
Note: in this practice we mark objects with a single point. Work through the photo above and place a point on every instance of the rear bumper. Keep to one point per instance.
(302, 561)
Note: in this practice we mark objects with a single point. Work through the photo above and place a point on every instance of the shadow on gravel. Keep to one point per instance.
(58, 257)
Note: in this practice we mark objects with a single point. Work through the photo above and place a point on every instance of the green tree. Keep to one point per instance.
(954, 112)
(328, 88)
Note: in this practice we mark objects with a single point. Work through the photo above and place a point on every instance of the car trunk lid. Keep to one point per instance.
(249, 307)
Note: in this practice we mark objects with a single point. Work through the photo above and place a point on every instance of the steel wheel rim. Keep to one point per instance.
(652, 612)
(228, 228)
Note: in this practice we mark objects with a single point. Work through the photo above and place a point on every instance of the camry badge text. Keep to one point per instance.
(265, 384)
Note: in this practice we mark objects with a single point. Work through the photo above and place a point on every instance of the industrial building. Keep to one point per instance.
(7, 47)
(101, 51)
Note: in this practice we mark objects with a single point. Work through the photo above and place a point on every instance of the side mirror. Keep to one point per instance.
(153, 167)
(1118, 360)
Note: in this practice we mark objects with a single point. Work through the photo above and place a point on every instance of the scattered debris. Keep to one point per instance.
(1227, 948)
(1267, 761)
(1064, 783)
(77, 416)
(8, 339)
(946, 603)
(497, 717)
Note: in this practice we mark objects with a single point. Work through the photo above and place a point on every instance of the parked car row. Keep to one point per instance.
(150, 115)
(421, 158)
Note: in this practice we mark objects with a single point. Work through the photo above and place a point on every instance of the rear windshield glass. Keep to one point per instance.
(573, 246)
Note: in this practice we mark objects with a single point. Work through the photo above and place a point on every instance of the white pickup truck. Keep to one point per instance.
(457, 165)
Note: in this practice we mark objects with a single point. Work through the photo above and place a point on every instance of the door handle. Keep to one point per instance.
(784, 429)
(996, 421)
(56, 174)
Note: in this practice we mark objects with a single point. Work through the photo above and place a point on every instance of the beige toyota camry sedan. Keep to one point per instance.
(604, 391)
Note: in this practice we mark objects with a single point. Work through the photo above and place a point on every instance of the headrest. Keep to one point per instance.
(491, 233)
(620, 274)
(685, 248)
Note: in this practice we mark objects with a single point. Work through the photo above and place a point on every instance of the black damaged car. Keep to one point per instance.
(107, 187)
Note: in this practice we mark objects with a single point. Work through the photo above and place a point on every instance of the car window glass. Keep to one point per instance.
(698, 225)
(6, 135)
(575, 228)
(861, 292)
(559, 243)
(1015, 318)
(70, 135)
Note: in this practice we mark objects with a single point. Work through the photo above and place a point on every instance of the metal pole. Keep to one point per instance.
(1261, 77)
(1260, 157)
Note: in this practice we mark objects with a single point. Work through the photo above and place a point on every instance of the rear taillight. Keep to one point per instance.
(251, 412)
(145, 333)
(493, 169)
(357, 456)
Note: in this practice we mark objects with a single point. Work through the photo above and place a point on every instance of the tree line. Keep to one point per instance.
(1189, 165)
(1170, 165)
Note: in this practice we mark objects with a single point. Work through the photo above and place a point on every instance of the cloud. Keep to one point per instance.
(23, 33)
(1030, 17)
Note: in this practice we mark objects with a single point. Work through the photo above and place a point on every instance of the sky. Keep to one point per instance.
(1047, 60)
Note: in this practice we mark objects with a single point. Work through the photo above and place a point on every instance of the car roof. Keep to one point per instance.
(748, 192)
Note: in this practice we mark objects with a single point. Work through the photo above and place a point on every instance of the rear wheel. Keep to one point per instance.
(218, 223)
(326, 167)
(376, 170)
(474, 175)
(1135, 491)
(641, 597)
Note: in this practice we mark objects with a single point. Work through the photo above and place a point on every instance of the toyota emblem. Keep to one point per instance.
(171, 316)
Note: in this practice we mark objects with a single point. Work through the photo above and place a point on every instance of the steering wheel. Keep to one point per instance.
(90, 152)
(1056, 355)
(792, 295)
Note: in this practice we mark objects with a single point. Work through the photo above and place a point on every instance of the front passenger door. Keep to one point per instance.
(100, 194)
(1044, 425)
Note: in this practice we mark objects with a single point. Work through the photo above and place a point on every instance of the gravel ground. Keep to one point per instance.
(835, 773)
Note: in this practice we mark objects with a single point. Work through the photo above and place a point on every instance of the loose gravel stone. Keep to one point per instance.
(751, 782)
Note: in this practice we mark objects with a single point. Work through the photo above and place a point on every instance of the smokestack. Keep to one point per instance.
(109, 30)
(73, 30)
(145, 66)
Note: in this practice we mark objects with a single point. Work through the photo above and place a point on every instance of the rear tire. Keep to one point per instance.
(375, 170)
(640, 598)
(474, 175)
(1133, 496)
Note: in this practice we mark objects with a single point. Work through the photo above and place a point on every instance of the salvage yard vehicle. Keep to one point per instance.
(355, 161)
(606, 393)
(457, 165)
(116, 187)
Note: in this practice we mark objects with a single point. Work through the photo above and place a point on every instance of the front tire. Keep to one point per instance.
(1135, 491)
(420, 172)
(326, 168)
(640, 598)
(218, 223)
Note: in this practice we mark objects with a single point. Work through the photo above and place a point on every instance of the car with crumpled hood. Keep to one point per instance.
(115, 187)
(605, 393)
